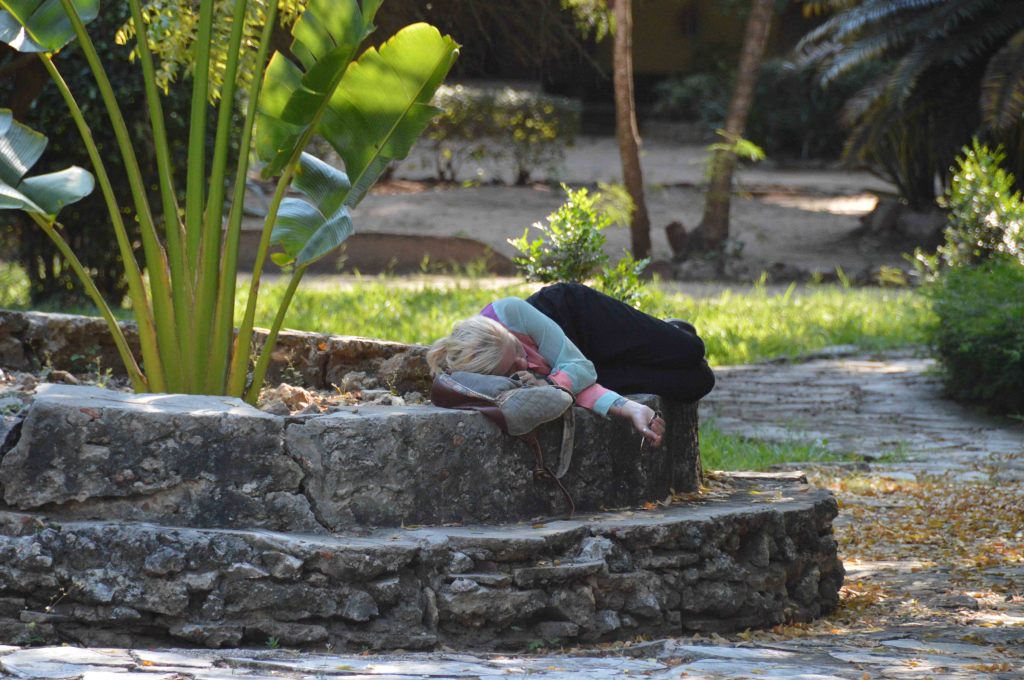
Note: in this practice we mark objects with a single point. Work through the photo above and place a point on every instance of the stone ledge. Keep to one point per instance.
(88, 453)
(717, 565)
(31, 340)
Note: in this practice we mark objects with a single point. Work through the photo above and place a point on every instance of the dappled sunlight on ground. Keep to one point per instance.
(929, 554)
(858, 204)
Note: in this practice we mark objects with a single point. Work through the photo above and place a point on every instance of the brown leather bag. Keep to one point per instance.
(518, 410)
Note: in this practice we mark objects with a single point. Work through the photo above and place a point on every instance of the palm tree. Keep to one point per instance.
(955, 68)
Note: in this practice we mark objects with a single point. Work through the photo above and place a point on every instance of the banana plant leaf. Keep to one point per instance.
(309, 230)
(382, 104)
(20, 148)
(41, 25)
(326, 38)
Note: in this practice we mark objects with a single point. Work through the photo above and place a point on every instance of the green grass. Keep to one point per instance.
(737, 326)
(721, 451)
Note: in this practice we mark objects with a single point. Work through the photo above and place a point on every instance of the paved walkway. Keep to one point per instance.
(942, 598)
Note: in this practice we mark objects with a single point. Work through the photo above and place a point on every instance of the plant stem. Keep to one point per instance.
(181, 285)
(210, 250)
(156, 261)
(225, 315)
(239, 362)
(260, 371)
(236, 377)
(197, 134)
(136, 286)
(139, 383)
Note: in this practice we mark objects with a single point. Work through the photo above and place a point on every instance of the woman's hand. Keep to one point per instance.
(528, 378)
(644, 419)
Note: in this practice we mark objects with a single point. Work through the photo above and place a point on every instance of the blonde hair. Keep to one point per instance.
(475, 344)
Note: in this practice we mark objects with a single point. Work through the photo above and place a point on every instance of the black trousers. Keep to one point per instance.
(633, 352)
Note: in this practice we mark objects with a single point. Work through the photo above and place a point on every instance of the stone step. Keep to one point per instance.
(198, 461)
(754, 557)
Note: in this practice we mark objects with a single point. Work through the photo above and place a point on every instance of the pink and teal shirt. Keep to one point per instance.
(549, 352)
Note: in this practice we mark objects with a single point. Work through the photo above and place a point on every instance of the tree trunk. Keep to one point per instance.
(713, 230)
(626, 129)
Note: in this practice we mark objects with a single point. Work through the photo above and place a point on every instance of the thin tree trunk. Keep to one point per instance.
(713, 230)
(626, 129)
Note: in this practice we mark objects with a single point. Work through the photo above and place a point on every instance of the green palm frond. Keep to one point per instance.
(862, 17)
(1002, 95)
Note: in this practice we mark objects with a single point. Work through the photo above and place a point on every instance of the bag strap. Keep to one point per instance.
(542, 472)
(568, 440)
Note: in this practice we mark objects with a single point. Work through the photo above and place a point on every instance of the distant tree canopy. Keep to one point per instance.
(953, 69)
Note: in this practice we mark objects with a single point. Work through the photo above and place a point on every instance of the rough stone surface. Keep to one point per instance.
(186, 460)
(386, 466)
(30, 340)
(590, 579)
(216, 462)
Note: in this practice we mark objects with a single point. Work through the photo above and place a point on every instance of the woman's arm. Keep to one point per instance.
(569, 368)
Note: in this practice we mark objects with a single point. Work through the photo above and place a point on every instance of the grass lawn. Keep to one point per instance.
(738, 326)
(721, 451)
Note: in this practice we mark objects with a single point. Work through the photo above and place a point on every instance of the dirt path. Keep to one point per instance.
(781, 219)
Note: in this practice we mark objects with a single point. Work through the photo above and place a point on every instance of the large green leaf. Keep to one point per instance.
(20, 148)
(41, 25)
(309, 230)
(326, 38)
(382, 104)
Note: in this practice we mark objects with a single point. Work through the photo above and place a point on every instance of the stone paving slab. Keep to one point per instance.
(888, 407)
(661, 660)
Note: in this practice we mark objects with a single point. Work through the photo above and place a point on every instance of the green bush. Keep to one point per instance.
(979, 333)
(527, 129)
(86, 225)
(571, 248)
(791, 114)
(699, 98)
(986, 215)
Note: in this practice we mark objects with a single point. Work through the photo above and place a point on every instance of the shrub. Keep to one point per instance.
(86, 225)
(986, 216)
(791, 114)
(528, 129)
(979, 333)
(699, 98)
(571, 248)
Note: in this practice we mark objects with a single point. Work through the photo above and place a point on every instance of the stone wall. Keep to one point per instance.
(89, 453)
(719, 565)
(31, 340)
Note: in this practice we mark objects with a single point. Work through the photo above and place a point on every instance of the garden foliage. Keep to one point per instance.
(87, 228)
(978, 284)
(792, 114)
(948, 69)
(528, 130)
(979, 335)
(370, 106)
(571, 248)
(986, 214)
